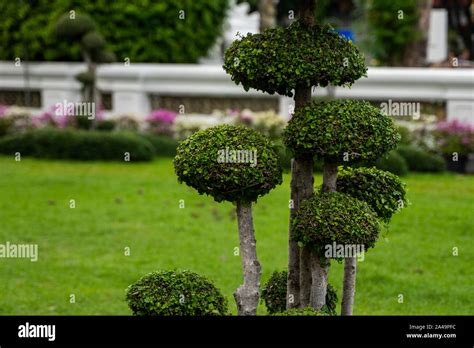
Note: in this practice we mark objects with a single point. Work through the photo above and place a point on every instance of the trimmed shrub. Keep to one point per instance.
(279, 59)
(301, 312)
(144, 31)
(329, 217)
(383, 191)
(77, 145)
(163, 145)
(406, 135)
(208, 162)
(421, 161)
(274, 294)
(393, 163)
(175, 293)
(341, 131)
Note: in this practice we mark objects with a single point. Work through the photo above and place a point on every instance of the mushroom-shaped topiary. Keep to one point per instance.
(383, 191)
(236, 164)
(281, 59)
(175, 293)
(74, 27)
(327, 218)
(341, 131)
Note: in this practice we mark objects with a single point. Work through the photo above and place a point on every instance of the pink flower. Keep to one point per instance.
(162, 116)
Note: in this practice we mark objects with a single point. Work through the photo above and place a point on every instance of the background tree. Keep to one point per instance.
(290, 61)
(197, 164)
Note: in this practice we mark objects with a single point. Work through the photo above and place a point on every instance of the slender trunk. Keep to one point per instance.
(319, 285)
(267, 11)
(319, 265)
(414, 54)
(305, 277)
(248, 293)
(348, 290)
(301, 188)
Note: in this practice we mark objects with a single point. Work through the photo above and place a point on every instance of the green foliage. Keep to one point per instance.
(407, 136)
(329, 217)
(341, 131)
(274, 292)
(420, 160)
(279, 59)
(391, 33)
(77, 145)
(144, 31)
(74, 28)
(383, 191)
(202, 164)
(284, 155)
(393, 163)
(93, 41)
(301, 312)
(175, 293)
(163, 145)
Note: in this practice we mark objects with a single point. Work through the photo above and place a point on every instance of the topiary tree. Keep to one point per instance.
(291, 61)
(81, 29)
(175, 293)
(211, 162)
(327, 218)
(338, 132)
(274, 294)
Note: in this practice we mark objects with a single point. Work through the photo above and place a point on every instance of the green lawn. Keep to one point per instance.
(81, 250)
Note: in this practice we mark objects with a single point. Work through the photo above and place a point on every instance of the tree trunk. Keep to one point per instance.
(305, 277)
(415, 53)
(329, 177)
(248, 293)
(348, 290)
(301, 188)
(267, 11)
(319, 285)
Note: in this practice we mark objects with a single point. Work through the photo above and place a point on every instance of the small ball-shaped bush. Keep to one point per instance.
(329, 217)
(301, 312)
(280, 59)
(232, 163)
(175, 293)
(341, 131)
(274, 294)
(74, 28)
(383, 191)
(93, 41)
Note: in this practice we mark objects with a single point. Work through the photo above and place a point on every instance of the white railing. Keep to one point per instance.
(131, 85)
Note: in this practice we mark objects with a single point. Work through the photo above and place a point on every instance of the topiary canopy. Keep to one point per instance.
(329, 217)
(383, 191)
(279, 59)
(232, 163)
(341, 131)
(175, 293)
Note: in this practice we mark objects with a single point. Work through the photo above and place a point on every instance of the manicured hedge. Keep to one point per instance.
(175, 293)
(421, 161)
(393, 163)
(77, 145)
(164, 146)
(144, 31)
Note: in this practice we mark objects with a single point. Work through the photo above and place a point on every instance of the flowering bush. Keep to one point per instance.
(454, 136)
(161, 121)
(14, 119)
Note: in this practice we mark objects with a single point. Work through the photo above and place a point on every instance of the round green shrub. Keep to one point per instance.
(143, 31)
(274, 294)
(74, 28)
(421, 161)
(93, 41)
(383, 191)
(341, 131)
(175, 293)
(301, 312)
(202, 162)
(393, 163)
(77, 145)
(329, 217)
(279, 59)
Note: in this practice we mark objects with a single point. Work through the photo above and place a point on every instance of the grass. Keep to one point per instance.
(81, 250)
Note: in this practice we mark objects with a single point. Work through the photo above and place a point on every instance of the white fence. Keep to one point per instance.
(131, 86)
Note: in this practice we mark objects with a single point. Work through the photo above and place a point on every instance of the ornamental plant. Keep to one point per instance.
(175, 293)
(160, 122)
(454, 137)
(235, 164)
(290, 61)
